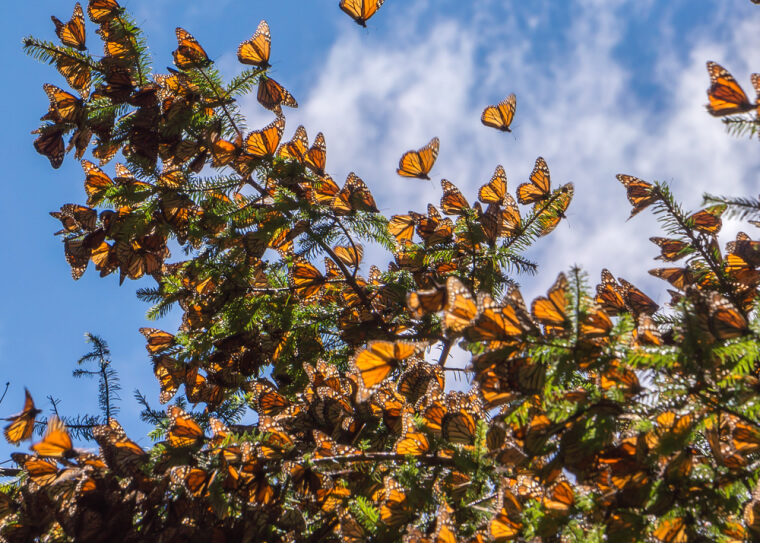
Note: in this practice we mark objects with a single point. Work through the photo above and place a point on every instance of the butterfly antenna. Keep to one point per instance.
(7, 384)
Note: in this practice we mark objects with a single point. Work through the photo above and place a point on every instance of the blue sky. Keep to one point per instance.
(603, 87)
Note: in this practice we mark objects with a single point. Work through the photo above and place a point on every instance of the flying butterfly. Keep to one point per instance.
(538, 187)
(725, 95)
(401, 227)
(189, 53)
(419, 163)
(56, 443)
(72, 33)
(263, 143)
(255, 51)
(22, 424)
(500, 116)
(640, 193)
(360, 10)
(379, 358)
(272, 96)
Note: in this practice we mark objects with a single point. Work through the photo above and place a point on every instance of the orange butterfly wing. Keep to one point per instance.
(360, 10)
(189, 53)
(539, 185)
(725, 95)
(73, 32)
(500, 116)
(255, 51)
(263, 143)
(419, 163)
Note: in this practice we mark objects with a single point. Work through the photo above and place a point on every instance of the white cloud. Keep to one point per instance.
(374, 99)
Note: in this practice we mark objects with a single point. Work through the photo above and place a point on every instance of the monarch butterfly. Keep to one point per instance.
(496, 189)
(360, 10)
(745, 248)
(640, 193)
(119, 85)
(263, 143)
(412, 440)
(194, 480)
(459, 426)
(424, 302)
(74, 218)
(672, 250)
(170, 374)
(401, 227)
(419, 163)
(506, 525)
(269, 402)
(647, 332)
(560, 498)
(272, 95)
(500, 116)
(306, 279)
(73, 32)
(96, 183)
(42, 472)
(460, 309)
(595, 324)
(453, 201)
(189, 53)
(297, 147)
(64, 106)
(609, 294)
(636, 301)
(101, 11)
(538, 186)
(494, 322)
(316, 157)
(354, 196)
(350, 256)
(255, 51)
(724, 320)
(50, 143)
(557, 210)
(550, 311)
(120, 453)
(725, 95)
(158, 340)
(56, 443)
(77, 73)
(419, 379)
(672, 530)
(678, 277)
(183, 430)
(326, 446)
(22, 424)
(708, 220)
(379, 358)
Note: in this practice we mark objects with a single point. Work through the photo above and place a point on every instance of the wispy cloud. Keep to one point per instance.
(374, 99)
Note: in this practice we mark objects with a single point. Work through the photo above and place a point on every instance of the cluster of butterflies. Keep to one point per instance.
(323, 427)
